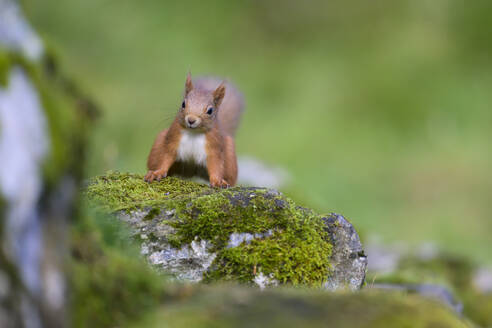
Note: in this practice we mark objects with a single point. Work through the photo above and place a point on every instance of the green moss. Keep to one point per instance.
(448, 270)
(453, 272)
(112, 288)
(4, 68)
(65, 112)
(110, 285)
(230, 306)
(478, 307)
(295, 247)
(124, 191)
(284, 256)
(69, 121)
(152, 213)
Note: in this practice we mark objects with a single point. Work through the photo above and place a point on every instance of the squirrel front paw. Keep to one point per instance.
(155, 175)
(218, 183)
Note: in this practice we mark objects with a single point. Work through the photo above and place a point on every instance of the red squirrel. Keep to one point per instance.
(200, 141)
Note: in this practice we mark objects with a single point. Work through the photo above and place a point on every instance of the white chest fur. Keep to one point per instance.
(192, 148)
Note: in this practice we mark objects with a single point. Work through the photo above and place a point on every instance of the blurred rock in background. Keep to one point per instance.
(460, 283)
(41, 143)
(16, 33)
(253, 172)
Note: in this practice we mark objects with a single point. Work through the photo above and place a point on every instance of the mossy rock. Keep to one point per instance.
(112, 288)
(444, 276)
(242, 234)
(230, 306)
(44, 123)
(110, 284)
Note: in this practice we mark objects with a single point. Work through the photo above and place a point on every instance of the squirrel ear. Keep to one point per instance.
(188, 84)
(219, 94)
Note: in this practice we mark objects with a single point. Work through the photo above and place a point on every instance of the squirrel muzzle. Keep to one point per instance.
(192, 121)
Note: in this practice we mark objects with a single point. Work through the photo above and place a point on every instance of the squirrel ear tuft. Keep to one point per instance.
(188, 84)
(219, 94)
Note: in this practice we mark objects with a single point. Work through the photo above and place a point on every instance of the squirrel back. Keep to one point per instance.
(231, 107)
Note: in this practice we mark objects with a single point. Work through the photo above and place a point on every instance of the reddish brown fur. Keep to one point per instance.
(219, 129)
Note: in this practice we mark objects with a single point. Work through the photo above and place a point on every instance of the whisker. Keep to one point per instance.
(164, 120)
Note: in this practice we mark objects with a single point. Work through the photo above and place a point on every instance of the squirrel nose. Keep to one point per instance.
(191, 120)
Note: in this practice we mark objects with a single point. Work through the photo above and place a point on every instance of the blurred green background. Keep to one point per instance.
(380, 110)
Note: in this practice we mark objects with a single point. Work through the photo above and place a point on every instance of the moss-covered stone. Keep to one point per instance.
(238, 307)
(68, 112)
(124, 191)
(450, 271)
(48, 123)
(111, 286)
(286, 243)
(478, 307)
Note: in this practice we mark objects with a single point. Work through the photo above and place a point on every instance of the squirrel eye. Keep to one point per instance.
(183, 104)
(210, 110)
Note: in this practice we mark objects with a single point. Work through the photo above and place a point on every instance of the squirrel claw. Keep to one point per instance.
(219, 183)
(148, 177)
(155, 175)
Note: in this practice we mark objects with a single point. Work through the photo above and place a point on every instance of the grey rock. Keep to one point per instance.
(23, 147)
(33, 216)
(253, 172)
(382, 259)
(437, 292)
(385, 259)
(236, 239)
(4, 286)
(186, 263)
(264, 281)
(348, 259)
(15, 32)
(191, 261)
(482, 279)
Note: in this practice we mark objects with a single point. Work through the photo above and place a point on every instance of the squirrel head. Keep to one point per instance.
(200, 107)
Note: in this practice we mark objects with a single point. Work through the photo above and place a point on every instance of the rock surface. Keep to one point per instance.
(240, 307)
(434, 273)
(240, 234)
(41, 129)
